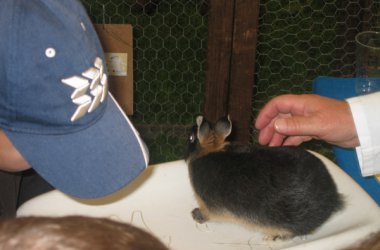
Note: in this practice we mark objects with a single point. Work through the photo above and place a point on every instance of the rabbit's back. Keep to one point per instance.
(285, 187)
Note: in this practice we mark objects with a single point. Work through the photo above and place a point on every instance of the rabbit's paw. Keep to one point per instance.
(275, 237)
(198, 216)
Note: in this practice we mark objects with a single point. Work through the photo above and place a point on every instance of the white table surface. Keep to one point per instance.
(161, 200)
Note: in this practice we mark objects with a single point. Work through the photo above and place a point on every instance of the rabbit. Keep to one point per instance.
(283, 191)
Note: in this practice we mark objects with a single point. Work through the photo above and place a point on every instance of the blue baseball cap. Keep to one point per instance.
(54, 100)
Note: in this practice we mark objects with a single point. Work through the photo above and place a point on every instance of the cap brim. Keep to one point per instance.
(90, 163)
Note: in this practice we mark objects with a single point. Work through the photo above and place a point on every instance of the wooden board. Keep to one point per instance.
(231, 63)
(117, 43)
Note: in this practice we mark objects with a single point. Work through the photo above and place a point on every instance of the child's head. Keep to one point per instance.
(73, 232)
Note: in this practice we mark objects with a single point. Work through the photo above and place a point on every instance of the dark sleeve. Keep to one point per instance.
(32, 185)
(9, 189)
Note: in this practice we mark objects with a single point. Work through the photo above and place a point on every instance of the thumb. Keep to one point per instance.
(296, 125)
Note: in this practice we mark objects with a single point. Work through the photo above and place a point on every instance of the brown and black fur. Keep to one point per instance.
(285, 191)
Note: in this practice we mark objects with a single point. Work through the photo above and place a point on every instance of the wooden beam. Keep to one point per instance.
(232, 38)
(242, 68)
(220, 28)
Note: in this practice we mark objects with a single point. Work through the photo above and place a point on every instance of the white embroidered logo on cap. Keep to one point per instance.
(91, 89)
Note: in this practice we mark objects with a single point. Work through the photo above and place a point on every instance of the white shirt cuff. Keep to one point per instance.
(366, 114)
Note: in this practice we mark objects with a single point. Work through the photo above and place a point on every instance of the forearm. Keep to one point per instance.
(10, 158)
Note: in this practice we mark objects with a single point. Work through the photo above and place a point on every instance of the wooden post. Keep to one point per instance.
(220, 28)
(242, 68)
(231, 63)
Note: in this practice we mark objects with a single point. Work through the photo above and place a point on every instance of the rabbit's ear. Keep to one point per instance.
(223, 127)
(203, 128)
(199, 120)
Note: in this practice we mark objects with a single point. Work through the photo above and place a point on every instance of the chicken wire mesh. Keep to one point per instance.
(297, 41)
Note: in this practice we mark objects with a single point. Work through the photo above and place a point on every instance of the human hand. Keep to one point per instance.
(293, 119)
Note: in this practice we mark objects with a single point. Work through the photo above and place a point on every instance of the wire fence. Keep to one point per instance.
(297, 41)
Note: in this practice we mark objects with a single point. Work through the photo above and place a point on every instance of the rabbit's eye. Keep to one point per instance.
(192, 138)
